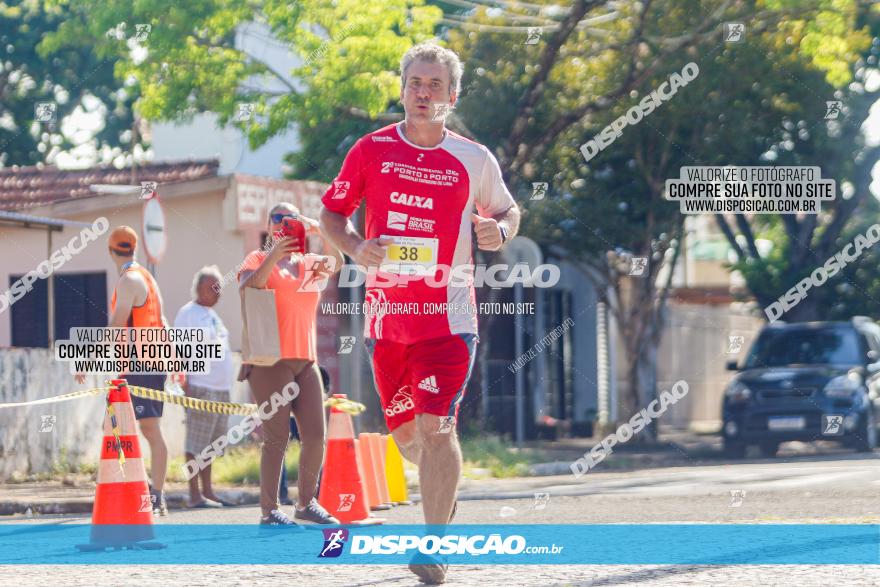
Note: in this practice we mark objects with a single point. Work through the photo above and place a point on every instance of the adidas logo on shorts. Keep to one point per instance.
(429, 384)
(400, 403)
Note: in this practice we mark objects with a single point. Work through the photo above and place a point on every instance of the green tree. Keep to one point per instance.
(349, 51)
(801, 244)
(68, 74)
(551, 98)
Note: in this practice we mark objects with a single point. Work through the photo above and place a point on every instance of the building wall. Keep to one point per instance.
(584, 351)
(24, 249)
(203, 138)
(195, 238)
(709, 273)
(695, 347)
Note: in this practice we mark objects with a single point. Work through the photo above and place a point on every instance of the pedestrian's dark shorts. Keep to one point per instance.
(147, 408)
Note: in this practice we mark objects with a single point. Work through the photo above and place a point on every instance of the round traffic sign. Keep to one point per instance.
(154, 235)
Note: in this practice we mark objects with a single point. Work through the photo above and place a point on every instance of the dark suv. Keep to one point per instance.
(806, 381)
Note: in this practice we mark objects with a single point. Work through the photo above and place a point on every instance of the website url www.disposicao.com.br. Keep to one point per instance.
(448, 545)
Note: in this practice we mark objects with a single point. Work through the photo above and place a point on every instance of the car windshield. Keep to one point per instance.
(775, 348)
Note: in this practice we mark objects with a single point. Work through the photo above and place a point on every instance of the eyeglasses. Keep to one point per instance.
(279, 217)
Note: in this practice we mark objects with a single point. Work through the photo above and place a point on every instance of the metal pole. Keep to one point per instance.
(484, 390)
(604, 416)
(50, 291)
(359, 359)
(540, 401)
(520, 375)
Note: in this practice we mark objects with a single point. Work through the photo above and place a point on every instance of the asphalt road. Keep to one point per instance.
(834, 488)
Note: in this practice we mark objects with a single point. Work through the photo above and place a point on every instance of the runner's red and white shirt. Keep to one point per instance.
(423, 198)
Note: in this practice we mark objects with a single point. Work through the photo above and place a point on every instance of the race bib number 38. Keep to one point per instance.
(410, 255)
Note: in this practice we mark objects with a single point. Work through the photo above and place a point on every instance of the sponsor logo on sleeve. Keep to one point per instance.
(340, 189)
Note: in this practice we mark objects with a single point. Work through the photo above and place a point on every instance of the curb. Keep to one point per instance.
(550, 469)
(176, 501)
(81, 506)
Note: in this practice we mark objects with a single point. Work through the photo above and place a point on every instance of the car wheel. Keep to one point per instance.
(866, 440)
(734, 450)
(768, 449)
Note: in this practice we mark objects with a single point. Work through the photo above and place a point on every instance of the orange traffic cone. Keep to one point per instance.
(366, 480)
(370, 474)
(342, 488)
(379, 462)
(123, 511)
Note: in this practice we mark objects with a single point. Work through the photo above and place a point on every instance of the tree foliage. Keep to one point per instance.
(67, 73)
(348, 53)
(748, 100)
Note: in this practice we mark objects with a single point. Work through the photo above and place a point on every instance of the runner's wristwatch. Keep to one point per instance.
(503, 233)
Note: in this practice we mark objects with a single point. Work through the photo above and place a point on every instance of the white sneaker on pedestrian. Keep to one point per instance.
(315, 512)
(277, 518)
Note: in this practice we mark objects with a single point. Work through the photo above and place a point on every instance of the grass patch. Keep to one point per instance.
(494, 454)
(62, 468)
(239, 466)
(484, 456)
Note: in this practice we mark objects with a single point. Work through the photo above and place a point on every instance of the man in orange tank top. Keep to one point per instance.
(137, 303)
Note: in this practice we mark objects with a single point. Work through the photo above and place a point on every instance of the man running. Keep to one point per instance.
(422, 184)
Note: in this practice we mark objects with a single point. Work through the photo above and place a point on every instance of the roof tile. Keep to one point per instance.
(28, 187)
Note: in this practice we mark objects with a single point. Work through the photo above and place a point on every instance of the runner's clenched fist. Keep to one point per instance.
(488, 233)
(371, 251)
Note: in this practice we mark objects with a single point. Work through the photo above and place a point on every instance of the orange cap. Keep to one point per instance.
(123, 240)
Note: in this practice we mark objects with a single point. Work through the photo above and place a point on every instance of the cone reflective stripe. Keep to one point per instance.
(397, 489)
(342, 489)
(123, 511)
(339, 427)
(375, 439)
(131, 471)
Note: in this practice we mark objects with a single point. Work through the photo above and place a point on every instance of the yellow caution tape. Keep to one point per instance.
(58, 398)
(114, 426)
(190, 403)
(345, 405)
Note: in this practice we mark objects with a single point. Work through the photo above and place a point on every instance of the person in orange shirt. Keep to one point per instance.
(137, 303)
(293, 277)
